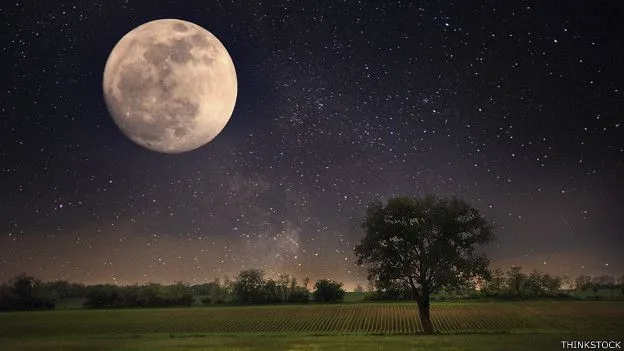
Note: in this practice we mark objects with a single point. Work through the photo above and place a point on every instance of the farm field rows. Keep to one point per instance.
(362, 318)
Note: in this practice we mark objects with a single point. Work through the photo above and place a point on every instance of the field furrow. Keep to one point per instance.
(389, 318)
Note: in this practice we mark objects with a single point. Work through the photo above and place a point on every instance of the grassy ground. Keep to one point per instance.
(351, 296)
(480, 342)
(70, 304)
(535, 325)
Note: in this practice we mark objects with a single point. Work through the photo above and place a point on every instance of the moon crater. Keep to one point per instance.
(170, 86)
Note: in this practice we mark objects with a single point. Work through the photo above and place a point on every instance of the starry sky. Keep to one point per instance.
(514, 106)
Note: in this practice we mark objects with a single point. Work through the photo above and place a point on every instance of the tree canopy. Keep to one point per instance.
(427, 243)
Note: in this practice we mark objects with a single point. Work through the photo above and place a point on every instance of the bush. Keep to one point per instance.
(26, 293)
(326, 290)
(299, 295)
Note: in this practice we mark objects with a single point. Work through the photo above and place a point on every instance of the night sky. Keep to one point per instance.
(514, 106)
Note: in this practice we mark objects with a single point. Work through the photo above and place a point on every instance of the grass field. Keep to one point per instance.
(379, 326)
(351, 296)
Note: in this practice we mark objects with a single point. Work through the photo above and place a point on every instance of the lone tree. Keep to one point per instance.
(427, 243)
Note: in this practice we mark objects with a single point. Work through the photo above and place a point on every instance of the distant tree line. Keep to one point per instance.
(516, 284)
(398, 290)
(585, 283)
(26, 293)
(510, 284)
(250, 287)
(148, 295)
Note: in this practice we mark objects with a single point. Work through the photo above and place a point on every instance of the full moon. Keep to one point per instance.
(170, 85)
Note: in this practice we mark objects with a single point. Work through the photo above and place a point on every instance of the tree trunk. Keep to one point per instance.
(423, 313)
